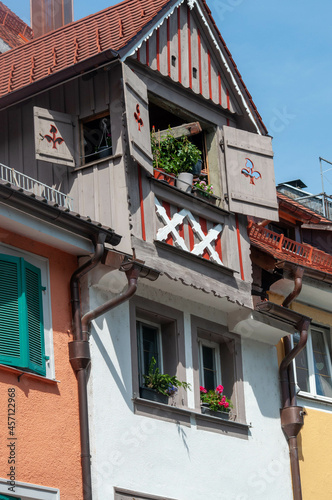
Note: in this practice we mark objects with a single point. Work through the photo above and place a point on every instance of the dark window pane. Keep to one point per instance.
(150, 347)
(209, 369)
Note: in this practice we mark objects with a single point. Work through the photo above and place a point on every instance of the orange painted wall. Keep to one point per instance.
(47, 421)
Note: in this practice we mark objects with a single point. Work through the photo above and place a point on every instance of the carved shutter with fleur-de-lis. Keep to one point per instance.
(138, 124)
(55, 136)
(250, 174)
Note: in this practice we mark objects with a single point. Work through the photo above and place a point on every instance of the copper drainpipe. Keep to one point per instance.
(292, 415)
(79, 350)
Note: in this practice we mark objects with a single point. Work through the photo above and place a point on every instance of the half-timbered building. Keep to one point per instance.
(78, 106)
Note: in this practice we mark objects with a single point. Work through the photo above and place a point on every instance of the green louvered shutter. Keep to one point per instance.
(5, 497)
(11, 309)
(21, 315)
(35, 326)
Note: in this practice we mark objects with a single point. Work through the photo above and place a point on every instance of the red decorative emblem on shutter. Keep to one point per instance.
(53, 138)
(138, 118)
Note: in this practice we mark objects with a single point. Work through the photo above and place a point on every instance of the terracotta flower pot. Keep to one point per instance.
(160, 174)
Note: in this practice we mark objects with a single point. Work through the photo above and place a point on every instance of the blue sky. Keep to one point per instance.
(283, 51)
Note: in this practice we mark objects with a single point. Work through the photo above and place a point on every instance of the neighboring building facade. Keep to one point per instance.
(77, 109)
(280, 251)
(39, 250)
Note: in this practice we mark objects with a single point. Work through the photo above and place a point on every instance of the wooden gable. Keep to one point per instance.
(181, 49)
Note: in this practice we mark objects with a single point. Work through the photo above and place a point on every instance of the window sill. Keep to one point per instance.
(97, 162)
(317, 402)
(20, 373)
(190, 418)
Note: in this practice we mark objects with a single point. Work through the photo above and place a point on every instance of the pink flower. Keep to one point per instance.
(222, 403)
(226, 405)
(202, 389)
(220, 389)
(223, 399)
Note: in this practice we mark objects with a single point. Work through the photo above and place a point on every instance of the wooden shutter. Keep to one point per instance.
(55, 136)
(250, 174)
(34, 305)
(138, 123)
(11, 310)
(21, 316)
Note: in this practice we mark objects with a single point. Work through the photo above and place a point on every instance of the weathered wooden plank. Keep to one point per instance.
(173, 47)
(151, 50)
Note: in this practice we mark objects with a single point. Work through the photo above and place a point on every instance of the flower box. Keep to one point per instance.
(204, 196)
(219, 414)
(152, 395)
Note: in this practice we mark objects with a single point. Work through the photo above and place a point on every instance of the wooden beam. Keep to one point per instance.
(185, 129)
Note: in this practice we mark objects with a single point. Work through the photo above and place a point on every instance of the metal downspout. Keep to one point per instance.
(79, 356)
(79, 350)
(292, 415)
(132, 276)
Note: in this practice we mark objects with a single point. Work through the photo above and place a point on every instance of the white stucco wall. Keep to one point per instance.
(159, 458)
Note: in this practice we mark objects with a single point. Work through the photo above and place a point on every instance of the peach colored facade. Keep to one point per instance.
(47, 421)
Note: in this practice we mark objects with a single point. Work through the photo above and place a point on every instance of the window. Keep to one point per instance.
(149, 346)
(217, 360)
(25, 317)
(27, 491)
(313, 364)
(97, 140)
(21, 318)
(157, 331)
(210, 374)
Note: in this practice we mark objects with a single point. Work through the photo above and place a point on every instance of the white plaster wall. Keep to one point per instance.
(150, 456)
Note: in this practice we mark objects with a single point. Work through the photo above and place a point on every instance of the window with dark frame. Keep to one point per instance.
(96, 138)
(217, 359)
(149, 346)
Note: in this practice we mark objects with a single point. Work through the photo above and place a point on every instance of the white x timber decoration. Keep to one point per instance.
(171, 226)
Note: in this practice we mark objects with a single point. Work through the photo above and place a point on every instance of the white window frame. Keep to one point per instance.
(216, 347)
(311, 367)
(26, 491)
(139, 323)
(43, 264)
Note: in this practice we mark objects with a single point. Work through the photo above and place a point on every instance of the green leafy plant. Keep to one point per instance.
(174, 155)
(162, 382)
(215, 400)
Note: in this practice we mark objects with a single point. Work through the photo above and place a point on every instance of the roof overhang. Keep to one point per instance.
(69, 73)
(46, 222)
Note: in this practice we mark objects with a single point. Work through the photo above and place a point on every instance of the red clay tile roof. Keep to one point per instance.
(113, 28)
(285, 249)
(299, 211)
(13, 31)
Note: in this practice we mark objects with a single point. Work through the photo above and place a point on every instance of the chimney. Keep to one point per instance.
(48, 15)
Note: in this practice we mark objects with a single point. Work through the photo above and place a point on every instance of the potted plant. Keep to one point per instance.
(176, 156)
(160, 386)
(215, 403)
(203, 190)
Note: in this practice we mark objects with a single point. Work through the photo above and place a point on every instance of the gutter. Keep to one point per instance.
(79, 348)
(291, 415)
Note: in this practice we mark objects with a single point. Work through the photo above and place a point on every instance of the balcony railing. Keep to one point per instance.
(301, 252)
(32, 185)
